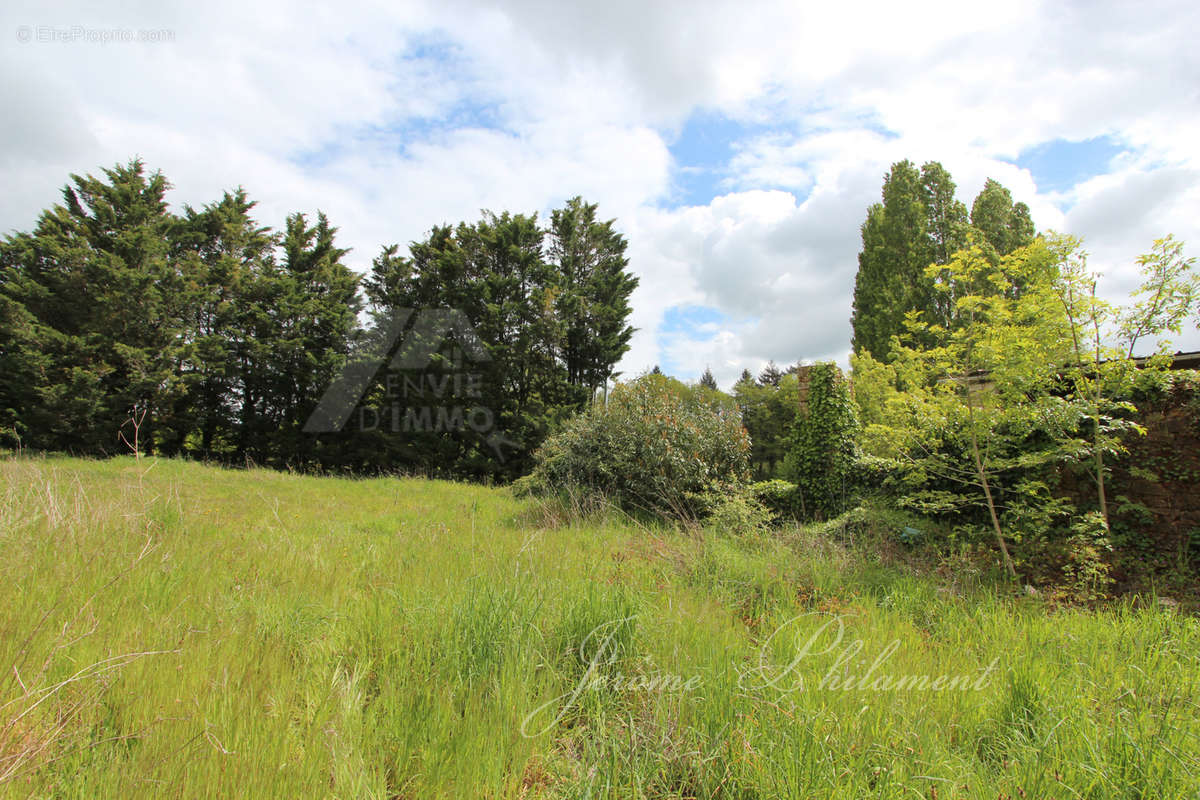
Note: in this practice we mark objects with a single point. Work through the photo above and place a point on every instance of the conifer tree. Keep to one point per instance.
(222, 253)
(594, 287)
(770, 375)
(91, 304)
(221, 336)
(768, 411)
(918, 223)
(1004, 225)
(315, 315)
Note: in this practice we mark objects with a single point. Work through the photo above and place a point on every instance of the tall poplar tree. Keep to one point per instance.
(918, 223)
(1004, 225)
(896, 249)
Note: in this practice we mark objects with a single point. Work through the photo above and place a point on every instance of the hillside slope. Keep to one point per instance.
(172, 629)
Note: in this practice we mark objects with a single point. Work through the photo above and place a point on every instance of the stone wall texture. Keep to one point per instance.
(1155, 487)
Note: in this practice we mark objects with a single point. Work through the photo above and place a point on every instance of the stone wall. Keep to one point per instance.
(1154, 496)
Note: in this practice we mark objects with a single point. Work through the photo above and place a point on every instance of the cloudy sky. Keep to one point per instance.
(737, 144)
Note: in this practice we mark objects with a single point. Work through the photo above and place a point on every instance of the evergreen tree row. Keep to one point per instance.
(219, 337)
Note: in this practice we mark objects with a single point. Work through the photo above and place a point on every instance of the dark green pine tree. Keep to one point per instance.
(551, 306)
(492, 272)
(258, 324)
(434, 275)
(594, 286)
(770, 375)
(523, 385)
(1005, 225)
(223, 255)
(91, 307)
(23, 358)
(767, 413)
(314, 312)
(708, 381)
(437, 274)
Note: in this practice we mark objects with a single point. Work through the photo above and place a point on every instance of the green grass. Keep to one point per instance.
(170, 629)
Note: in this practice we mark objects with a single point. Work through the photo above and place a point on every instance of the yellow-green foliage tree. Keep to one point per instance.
(1099, 365)
(971, 408)
(1031, 372)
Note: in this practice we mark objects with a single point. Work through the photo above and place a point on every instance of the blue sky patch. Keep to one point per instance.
(708, 141)
(686, 322)
(399, 136)
(702, 152)
(1059, 165)
(689, 319)
(442, 57)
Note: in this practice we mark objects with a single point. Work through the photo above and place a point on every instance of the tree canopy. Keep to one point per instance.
(219, 335)
(919, 222)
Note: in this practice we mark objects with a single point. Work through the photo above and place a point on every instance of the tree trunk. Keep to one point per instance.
(987, 491)
(1102, 495)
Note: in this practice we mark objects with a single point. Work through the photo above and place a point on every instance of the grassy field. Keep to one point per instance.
(170, 629)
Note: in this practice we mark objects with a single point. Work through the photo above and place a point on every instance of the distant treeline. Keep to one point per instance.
(210, 336)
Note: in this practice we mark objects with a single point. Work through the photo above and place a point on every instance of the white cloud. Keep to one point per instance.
(394, 118)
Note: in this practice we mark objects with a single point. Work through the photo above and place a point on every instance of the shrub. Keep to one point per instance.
(656, 445)
(1086, 571)
(824, 450)
(778, 497)
(738, 513)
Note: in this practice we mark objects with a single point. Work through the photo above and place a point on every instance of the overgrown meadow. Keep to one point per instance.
(172, 629)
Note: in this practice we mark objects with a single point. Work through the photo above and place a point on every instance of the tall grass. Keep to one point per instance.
(168, 629)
